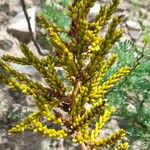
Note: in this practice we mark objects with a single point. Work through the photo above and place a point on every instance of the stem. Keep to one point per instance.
(29, 26)
(137, 62)
(75, 91)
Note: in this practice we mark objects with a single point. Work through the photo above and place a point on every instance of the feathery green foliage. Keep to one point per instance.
(132, 94)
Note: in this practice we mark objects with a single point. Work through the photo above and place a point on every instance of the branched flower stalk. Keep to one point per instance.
(85, 62)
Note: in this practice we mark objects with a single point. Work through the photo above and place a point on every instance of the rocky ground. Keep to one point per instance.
(15, 106)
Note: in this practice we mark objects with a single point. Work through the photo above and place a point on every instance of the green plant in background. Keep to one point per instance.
(56, 13)
(79, 108)
(133, 93)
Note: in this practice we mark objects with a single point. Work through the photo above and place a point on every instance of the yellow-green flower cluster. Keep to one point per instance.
(77, 104)
(104, 15)
(33, 123)
(100, 124)
(50, 133)
(80, 8)
(106, 86)
(109, 140)
(65, 56)
(122, 146)
(89, 114)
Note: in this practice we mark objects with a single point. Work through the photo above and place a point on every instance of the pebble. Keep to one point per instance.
(124, 6)
(95, 9)
(24, 69)
(135, 34)
(133, 25)
(6, 44)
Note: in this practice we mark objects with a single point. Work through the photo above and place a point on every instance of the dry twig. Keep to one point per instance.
(29, 26)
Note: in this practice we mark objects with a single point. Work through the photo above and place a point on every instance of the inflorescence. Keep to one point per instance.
(84, 62)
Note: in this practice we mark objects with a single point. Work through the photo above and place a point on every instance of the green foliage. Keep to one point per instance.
(56, 13)
(134, 90)
(57, 16)
(133, 93)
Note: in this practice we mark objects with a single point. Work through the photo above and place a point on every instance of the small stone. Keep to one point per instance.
(29, 70)
(18, 26)
(94, 11)
(6, 44)
(133, 25)
(24, 69)
(29, 101)
(25, 110)
(124, 5)
(135, 34)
